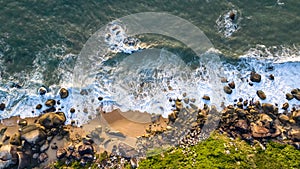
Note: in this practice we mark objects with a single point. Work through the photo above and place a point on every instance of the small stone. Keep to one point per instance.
(231, 85)
(169, 128)
(271, 77)
(39, 106)
(224, 80)
(205, 97)
(284, 118)
(232, 15)
(255, 77)
(289, 96)
(22, 122)
(100, 98)
(54, 147)
(43, 157)
(227, 90)
(50, 103)
(64, 93)
(42, 91)
(268, 108)
(250, 84)
(72, 110)
(285, 106)
(261, 94)
(2, 106)
(61, 153)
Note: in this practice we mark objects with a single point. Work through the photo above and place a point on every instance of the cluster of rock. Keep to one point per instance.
(82, 152)
(27, 148)
(256, 121)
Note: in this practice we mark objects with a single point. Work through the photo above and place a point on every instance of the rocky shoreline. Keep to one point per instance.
(113, 141)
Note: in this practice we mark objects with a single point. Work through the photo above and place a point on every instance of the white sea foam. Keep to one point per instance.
(148, 86)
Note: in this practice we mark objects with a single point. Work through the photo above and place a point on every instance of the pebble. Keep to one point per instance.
(261, 94)
(289, 96)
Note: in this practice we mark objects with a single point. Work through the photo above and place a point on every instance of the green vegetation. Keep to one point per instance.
(220, 152)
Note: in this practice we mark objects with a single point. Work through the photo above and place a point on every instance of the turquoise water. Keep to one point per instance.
(40, 40)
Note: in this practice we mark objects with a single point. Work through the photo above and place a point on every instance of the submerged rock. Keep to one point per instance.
(261, 94)
(289, 96)
(2, 106)
(255, 77)
(50, 103)
(227, 89)
(64, 93)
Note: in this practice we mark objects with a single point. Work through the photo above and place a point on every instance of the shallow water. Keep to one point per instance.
(40, 42)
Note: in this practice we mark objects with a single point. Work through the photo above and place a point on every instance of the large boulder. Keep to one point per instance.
(52, 120)
(33, 134)
(8, 156)
(255, 77)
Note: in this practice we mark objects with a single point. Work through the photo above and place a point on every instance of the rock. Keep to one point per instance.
(295, 91)
(88, 157)
(133, 163)
(284, 118)
(39, 106)
(239, 105)
(205, 97)
(289, 96)
(2, 107)
(295, 134)
(296, 115)
(169, 128)
(227, 89)
(224, 80)
(24, 160)
(255, 77)
(271, 77)
(116, 134)
(85, 149)
(43, 157)
(3, 130)
(100, 98)
(22, 122)
(127, 151)
(15, 139)
(231, 85)
(44, 147)
(50, 103)
(52, 120)
(61, 153)
(297, 96)
(261, 94)
(8, 156)
(259, 131)
(54, 147)
(42, 91)
(72, 110)
(240, 112)
(285, 106)
(172, 117)
(64, 93)
(242, 126)
(33, 134)
(268, 108)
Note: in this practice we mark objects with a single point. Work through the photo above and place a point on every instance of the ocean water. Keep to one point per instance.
(41, 44)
